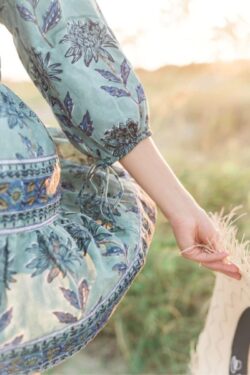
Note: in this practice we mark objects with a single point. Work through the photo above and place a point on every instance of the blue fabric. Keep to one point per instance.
(77, 63)
(74, 232)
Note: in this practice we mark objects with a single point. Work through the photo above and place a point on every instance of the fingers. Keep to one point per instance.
(228, 269)
(196, 254)
(216, 261)
(204, 244)
(220, 266)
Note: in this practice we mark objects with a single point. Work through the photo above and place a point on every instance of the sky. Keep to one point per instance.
(157, 33)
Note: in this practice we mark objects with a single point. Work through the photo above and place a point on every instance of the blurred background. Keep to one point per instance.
(193, 60)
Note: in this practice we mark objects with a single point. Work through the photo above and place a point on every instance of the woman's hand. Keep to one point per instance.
(194, 227)
(190, 223)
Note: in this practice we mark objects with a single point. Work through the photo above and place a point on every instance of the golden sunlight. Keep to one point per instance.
(164, 32)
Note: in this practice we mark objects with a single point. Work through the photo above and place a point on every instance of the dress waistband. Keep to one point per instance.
(30, 193)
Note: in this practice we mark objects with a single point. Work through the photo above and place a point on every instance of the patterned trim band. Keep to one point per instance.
(29, 193)
(27, 167)
(28, 227)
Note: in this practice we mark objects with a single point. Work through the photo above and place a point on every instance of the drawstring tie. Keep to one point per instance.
(104, 197)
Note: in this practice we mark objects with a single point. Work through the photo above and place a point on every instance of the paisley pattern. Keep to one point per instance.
(74, 234)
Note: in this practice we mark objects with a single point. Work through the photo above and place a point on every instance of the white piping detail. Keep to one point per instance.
(28, 227)
(26, 161)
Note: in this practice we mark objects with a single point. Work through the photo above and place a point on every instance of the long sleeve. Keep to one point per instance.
(75, 60)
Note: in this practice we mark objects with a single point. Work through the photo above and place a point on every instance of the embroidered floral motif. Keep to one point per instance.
(33, 148)
(77, 300)
(90, 205)
(86, 124)
(122, 78)
(79, 234)
(122, 138)
(89, 40)
(16, 112)
(50, 18)
(18, 195)
(91, 231)
(54, 255)
(42, 71)
(63, 111)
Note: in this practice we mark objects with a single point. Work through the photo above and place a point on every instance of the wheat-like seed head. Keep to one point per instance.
(238, 249)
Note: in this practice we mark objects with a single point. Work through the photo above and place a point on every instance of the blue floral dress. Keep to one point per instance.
(76, 62)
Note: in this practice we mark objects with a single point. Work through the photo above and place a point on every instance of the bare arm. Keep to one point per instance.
(190, 223)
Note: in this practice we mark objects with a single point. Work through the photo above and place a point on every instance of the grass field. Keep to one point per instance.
(200, 118)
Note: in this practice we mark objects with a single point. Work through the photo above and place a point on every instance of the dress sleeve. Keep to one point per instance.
(77, 63)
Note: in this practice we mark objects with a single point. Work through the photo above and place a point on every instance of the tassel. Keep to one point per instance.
(104, 197)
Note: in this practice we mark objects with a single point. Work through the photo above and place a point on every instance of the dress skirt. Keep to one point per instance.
(69, 277)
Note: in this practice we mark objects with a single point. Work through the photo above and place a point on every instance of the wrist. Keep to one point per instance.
(179, 205)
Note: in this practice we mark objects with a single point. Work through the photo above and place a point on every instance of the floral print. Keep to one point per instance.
(89, 231)
(17, 114)
(125, 70)
(117, 88)
(120, 139)
(89, 40)
(42, 71)
(73, 234)
(50, 18)
(137, 95)
(64, 110)
(5, 320)
(77, 300)
(18, 195)
(7, 273)
(90, 204)
(52, 255)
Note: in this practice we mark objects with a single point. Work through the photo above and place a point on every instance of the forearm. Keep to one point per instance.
(150, 170)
